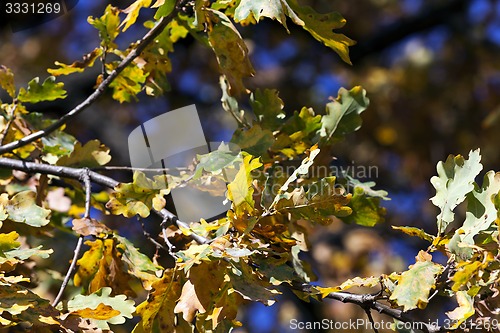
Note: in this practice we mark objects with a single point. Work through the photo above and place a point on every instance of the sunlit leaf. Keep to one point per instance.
(268, 108)
(128, 83)
(77, 66)
(132, 12)
(368, 282)
(240, 190)
(231, 52)
(464, 310)
(114, 311)
(343, 114)
(88, 226)
(480, 216)
(454, 180)
(366, 210)
(139, 265)
(274, 9)
(7, 81)
(414, 285)
(49, 90)
(139, 196)
(22, 208)
(321, 27)
(255, 141)
(92, 154)
(412, 231)
(107, 25)
(158, 309)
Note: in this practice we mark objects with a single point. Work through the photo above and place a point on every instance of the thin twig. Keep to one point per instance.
(367, 301)
(88, 191)
(88, 195)
(97, 178)
(127, 168)
(134, 53)
(370, 318)
(148, 236)
(70, 271)
(171, 246)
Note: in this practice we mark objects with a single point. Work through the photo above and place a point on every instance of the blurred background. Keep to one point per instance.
(432, 72)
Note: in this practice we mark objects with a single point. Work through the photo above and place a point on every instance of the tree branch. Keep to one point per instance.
(370, 302)
(88, 194)
(79, 173)
(134, 53)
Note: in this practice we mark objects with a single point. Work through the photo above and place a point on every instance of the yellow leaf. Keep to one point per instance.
(240, 190)
(132, 12)
(231, 52)
(102, 312)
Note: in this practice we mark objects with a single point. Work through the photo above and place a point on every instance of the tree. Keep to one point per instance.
(253, 252)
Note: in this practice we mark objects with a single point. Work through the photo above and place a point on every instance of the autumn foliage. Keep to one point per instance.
(253, 253)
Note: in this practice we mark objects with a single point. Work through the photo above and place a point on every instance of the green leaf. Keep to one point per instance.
(229, 103)
(139, 196)
(18, 304)
(90, 155)
(7, 81)
(454, 181)
(321, 27)
(303, 169)
(216, 161)
(302, 124)
(367, 188)
(268, 108)
(343, 114)
(22, 208)
(159, 306)
(165, 7)
(107, 25)
(49, 90)
(139, 264)
(366, 210)
(128, 84)
(23, 254)
(414, 285)
(77, 66)
(231, 52)
(322, 201)
(250, 287)
(132, 12)
(302, 268)
(120, 303)
(255, 141)
(248, 10)
(480, 216)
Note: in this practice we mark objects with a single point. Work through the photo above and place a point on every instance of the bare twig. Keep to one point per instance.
(97, 178)
(134, 53)
(369, 302)
(148, 236)
(370, 318)
(127, 168)
(171, 246)
(88, 193)
(70, 271)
